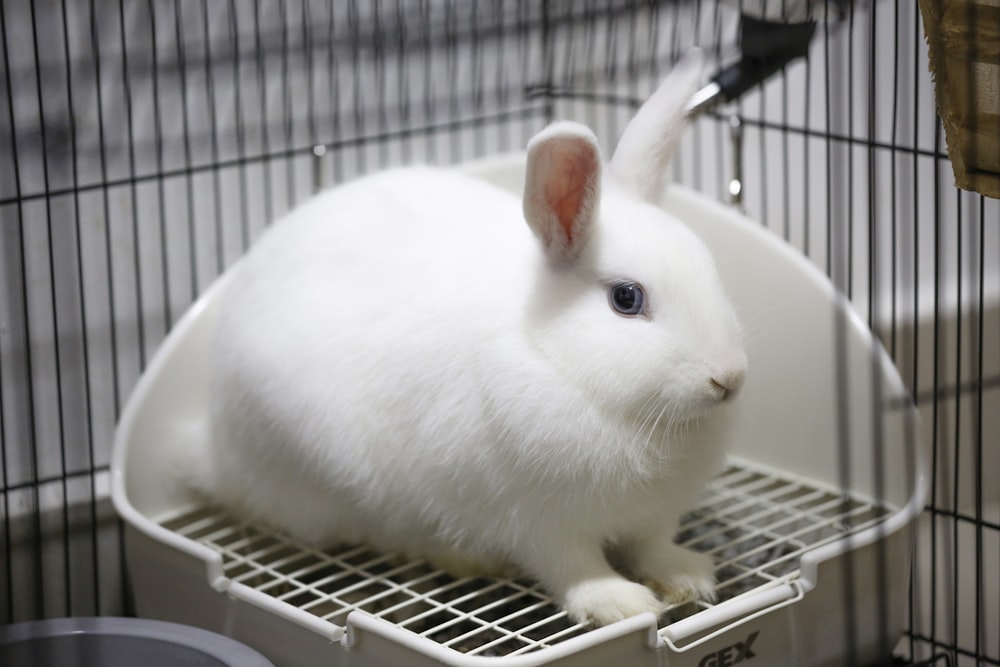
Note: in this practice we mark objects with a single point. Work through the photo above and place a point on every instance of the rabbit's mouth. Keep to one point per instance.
(725, 379)
(710, 394)
(722, 391)
(726, 386)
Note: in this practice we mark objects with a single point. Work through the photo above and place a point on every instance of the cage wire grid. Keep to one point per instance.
(145, 143)
(755, 522)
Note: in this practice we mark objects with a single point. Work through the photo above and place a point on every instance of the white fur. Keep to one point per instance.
(400, 362)
(651, 138)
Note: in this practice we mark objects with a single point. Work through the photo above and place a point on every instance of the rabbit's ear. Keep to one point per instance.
(562, 188)
(650, 139)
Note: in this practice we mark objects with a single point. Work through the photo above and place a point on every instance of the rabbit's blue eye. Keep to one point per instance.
(627, 298)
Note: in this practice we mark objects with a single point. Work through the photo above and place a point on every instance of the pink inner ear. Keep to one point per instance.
(569, 186)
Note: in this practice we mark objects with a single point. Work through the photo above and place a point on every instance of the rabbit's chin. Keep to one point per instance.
(695, 424)
(672, 412)
(704, 410)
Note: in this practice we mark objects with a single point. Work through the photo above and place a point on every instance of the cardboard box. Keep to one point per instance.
(964, 41)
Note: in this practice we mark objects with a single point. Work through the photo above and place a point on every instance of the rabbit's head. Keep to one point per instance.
(628, 304)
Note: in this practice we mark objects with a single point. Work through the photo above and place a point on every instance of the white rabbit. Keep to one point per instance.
(402, 362)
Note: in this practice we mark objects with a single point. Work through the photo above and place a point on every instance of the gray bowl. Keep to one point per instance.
(120, 642)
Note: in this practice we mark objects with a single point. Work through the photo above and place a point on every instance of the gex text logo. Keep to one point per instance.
(731, 655)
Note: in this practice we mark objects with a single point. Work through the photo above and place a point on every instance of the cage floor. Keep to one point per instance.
(755, 522)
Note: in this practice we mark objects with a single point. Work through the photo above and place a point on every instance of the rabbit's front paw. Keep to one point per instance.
(679, 575)
(605, 601)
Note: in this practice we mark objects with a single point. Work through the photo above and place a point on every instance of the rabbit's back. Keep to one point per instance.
(356, 339)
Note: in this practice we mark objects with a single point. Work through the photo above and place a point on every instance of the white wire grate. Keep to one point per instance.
(754, 521)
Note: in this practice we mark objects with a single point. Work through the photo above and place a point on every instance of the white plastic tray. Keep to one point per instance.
(807, 524)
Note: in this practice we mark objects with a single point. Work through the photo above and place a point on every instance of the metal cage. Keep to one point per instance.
(145, 143)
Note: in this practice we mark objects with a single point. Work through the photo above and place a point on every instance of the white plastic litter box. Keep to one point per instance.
(810, 524)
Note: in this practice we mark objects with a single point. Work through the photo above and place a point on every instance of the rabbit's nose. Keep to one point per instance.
(727, 383)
